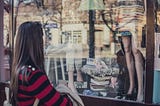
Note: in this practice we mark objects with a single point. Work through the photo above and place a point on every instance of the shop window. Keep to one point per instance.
(108, 71)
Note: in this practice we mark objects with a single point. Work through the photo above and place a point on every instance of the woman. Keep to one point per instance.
(29, 80)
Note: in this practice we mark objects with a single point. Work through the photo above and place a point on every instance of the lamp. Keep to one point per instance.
(158, 2)
(91, 5)
(158, 5)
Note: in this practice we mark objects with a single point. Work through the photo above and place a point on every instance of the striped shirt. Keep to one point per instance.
(38, 86)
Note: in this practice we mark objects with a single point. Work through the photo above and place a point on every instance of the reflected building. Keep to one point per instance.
(75, 23)
(131, 17)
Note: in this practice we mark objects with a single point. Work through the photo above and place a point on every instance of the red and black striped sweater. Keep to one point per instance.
(38, 86)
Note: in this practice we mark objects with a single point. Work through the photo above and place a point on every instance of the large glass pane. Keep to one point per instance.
(117, 70)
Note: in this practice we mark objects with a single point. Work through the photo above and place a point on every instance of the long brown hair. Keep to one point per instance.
(28, 50)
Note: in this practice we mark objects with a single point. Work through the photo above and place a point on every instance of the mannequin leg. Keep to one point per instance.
(71, 81)
(78, 65)
(131, 70)
(70, 69)
(130, 63)
(139, 64)
(78, 61)
(79, 74)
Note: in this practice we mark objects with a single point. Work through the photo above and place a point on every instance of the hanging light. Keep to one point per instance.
(27, 1)
(92, 5)
(158, 2)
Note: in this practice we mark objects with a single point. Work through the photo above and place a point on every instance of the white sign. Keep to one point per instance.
(52, 25)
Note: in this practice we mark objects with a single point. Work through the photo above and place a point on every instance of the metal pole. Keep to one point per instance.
(91, 34)
(2, 71)
(61, 20)
(11, 33)
(91, 41)
(150, 43)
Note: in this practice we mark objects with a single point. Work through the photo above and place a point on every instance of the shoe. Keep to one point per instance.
(129, 97)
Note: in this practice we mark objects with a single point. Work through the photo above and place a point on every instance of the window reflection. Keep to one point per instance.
(67, 42)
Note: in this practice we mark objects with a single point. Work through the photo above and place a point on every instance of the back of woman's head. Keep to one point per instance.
(28, 48)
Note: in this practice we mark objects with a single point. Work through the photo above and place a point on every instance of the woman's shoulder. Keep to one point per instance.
(31, 71)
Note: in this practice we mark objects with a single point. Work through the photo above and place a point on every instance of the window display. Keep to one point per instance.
(116, 69)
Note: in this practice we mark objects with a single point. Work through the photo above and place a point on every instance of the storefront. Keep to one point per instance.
(113, 82)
